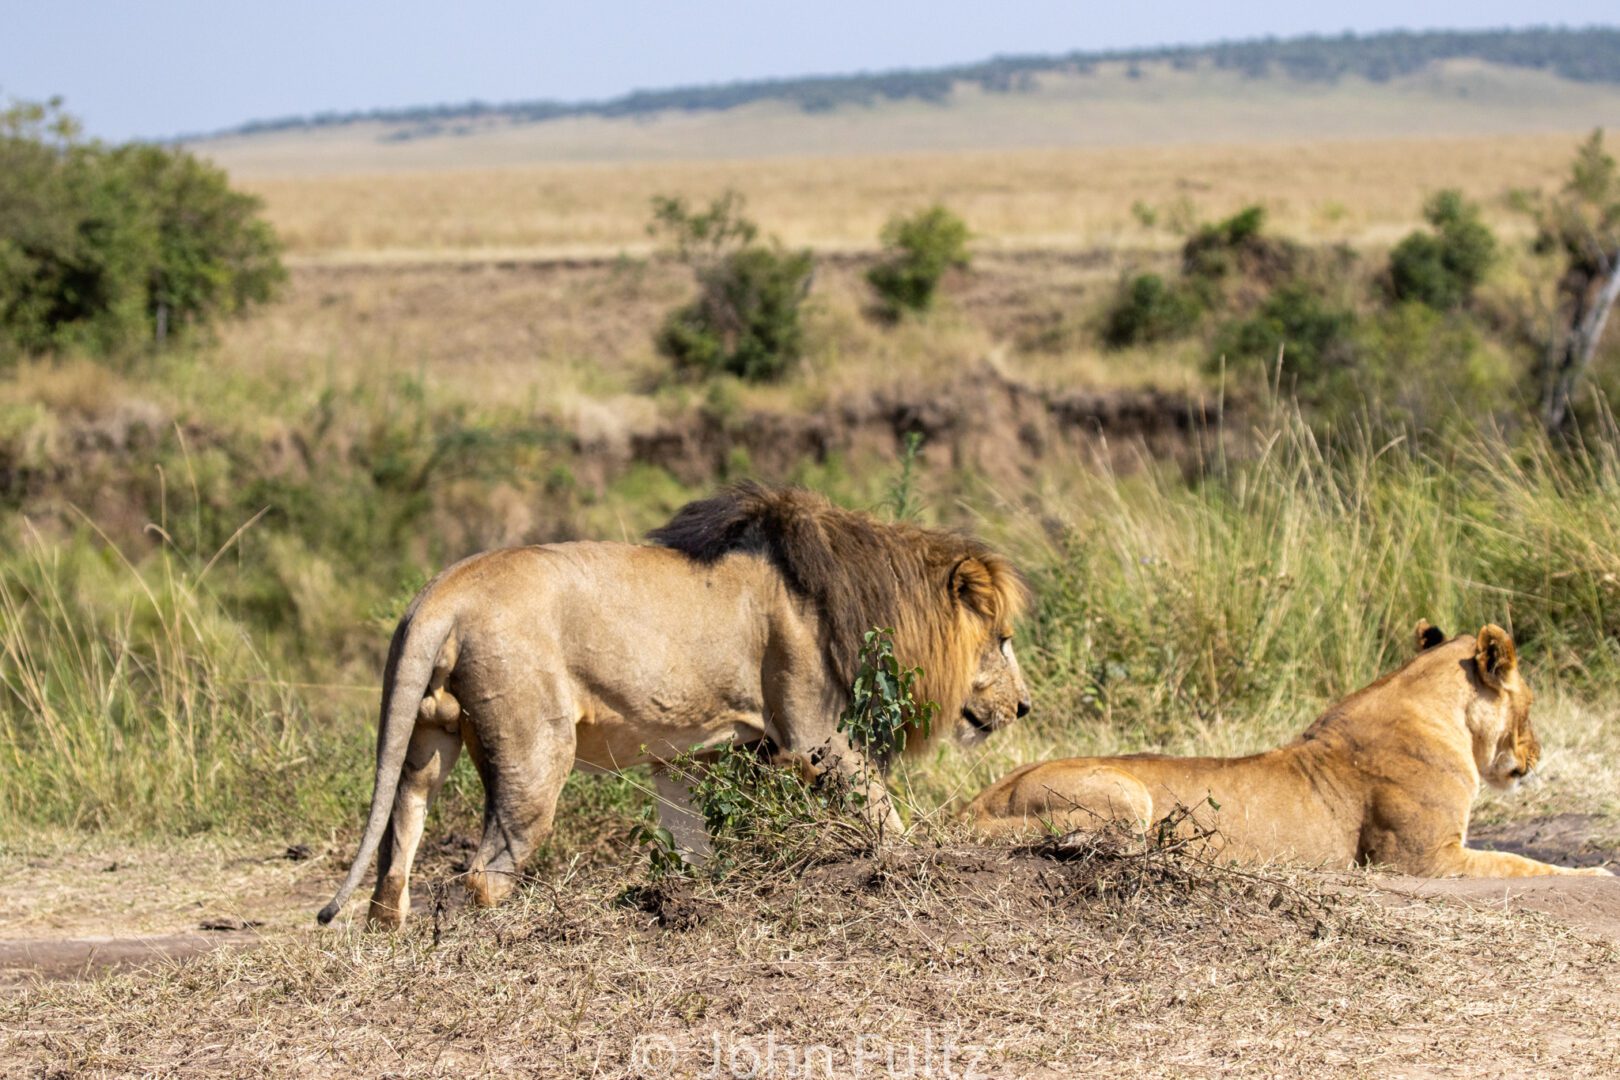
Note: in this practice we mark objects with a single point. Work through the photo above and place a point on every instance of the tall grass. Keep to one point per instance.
(1221, 615)
(132, 700)
(1215, 614)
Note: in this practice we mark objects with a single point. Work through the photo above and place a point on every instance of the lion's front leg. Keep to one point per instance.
(862, 777)
(676, 813)
(801, 716)
(1454, 860)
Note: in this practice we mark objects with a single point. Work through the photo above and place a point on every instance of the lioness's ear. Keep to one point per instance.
(1428, 636)
(1494, 656)
(972, 584)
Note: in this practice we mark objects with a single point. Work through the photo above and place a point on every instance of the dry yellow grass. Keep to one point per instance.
(922, 960)
(1368, 191)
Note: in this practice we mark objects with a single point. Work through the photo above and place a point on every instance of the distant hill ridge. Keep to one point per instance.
(1591, 54)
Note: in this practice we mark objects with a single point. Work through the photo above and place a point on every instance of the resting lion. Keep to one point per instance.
(1385, 777)
(745, 624)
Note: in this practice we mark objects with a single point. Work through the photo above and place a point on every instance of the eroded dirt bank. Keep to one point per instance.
(982, 421)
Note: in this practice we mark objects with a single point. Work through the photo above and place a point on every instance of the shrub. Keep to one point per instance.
(746, 318)
(1421, 366)
(1313, 335)
(1582, 225)
(1443, 267)
(1237, 248)
(917, 252)
(1208, 252)
(1149, 309)
(215, 256)
(103, 248)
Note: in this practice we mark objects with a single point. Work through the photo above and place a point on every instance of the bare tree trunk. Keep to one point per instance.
(1568, 360)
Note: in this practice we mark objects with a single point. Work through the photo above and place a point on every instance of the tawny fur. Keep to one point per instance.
(745, 625)
(1386, 777)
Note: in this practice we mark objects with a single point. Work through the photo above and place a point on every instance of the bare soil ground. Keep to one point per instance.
(989, 961)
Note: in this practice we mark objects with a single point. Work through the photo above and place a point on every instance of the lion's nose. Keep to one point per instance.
(1023, 708)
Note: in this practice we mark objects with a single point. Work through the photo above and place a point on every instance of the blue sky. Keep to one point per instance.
(161, 67)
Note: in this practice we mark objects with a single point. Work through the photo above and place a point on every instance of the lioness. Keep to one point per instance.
(1385, 777)
(745, 624)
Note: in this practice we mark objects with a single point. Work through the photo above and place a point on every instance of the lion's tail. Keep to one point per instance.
(412, 657)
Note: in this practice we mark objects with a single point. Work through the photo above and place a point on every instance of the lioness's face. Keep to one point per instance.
(1517, 749)
(1509, 739)
(997, 695)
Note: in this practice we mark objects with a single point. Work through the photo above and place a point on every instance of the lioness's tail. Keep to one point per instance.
(412, 656)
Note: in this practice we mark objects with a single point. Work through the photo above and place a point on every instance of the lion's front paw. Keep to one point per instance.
(1594, 871)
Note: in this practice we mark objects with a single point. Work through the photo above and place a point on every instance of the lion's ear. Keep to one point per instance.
(1427, 636)
(973, 585)
(1494, 656)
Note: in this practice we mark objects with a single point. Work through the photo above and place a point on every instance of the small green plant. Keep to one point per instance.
(758, 815)
(902, 501)
(1148, 309)
(764, 815)
(663, 854)
(746, 318)
(1237, 250)
(1442, 268)
(917, 251)
(883, 705)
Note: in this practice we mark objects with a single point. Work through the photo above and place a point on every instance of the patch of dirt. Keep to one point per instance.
(27, 959)
(1560, 839)
(1587, 904)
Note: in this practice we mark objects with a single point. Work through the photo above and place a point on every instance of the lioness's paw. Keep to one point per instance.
(1595, 871)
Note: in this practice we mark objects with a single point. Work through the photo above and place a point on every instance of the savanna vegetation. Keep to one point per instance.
(205, 555)
(1239, 445)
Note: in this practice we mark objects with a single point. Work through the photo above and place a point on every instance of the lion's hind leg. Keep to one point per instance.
(432, 754)
(524, 768)
(1060, 797)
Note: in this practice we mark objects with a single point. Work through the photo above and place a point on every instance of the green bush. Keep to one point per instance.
(1148, 309)
(1314, 336)
(1210, 252)
(1421, 366)
(746, 318)
(1443, 267)
(104, 248)
(917, 251)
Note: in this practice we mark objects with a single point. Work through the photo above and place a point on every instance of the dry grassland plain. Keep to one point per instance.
(1368, 191)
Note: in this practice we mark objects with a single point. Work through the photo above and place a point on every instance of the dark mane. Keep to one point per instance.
(859, 572)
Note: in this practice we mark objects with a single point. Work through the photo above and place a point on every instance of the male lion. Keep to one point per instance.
(744, 625)
(1385, 777)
